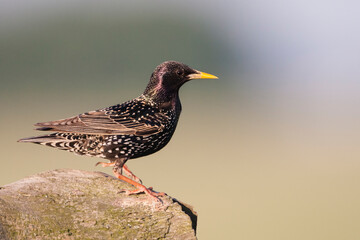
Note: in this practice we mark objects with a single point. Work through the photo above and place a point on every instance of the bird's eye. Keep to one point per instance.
(179, 72)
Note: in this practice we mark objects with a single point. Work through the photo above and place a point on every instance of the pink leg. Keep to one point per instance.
(104, 164)
(124, 168)
(129, 173)
(140, 188)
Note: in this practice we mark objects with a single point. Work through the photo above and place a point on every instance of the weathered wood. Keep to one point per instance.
(74, 204)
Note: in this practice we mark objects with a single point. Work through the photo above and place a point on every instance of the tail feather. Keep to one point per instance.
(53, 140)
(44, 129)
(88, 145)
(38, 139)
(50, 140)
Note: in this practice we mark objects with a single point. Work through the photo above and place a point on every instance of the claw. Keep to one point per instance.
(156, 193)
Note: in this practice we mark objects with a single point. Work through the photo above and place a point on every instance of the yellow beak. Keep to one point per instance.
(199, 75)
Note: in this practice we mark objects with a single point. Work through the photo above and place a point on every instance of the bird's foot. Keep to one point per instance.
(153, 195)
(104, 164)
(139, 188)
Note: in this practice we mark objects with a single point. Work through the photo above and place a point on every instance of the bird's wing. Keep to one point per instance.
(133, 117)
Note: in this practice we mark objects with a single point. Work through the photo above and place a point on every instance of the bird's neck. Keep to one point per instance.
(163, 99)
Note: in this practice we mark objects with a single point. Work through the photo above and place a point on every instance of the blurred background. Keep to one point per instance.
(268, 151)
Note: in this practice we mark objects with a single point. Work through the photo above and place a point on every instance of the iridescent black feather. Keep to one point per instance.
(125, 131)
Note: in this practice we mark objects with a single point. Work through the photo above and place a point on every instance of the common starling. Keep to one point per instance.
(133, 129)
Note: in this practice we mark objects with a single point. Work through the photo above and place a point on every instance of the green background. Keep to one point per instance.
(268, 151)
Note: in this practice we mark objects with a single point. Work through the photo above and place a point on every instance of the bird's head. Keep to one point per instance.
(168, 77)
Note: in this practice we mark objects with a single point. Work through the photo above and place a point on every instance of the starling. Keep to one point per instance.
(130, 130)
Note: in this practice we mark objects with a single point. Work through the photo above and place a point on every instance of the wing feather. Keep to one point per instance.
(133, 117)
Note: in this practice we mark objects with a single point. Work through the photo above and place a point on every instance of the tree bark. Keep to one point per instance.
(74, 204)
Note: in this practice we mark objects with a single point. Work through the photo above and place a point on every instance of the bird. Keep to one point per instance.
(133, 129)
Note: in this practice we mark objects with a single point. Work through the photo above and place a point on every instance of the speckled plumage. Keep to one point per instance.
(145, 128)
(129, 130)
